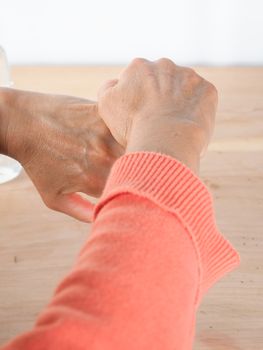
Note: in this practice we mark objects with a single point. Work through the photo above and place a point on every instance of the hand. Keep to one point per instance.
(159, 106)
(63, 145)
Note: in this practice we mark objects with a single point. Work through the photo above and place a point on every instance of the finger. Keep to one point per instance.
(75, 206)
(106, 86)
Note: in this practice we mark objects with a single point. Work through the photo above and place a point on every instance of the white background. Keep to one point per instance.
(114, 31)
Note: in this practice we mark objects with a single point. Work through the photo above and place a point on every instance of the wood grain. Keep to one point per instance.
(38, 246)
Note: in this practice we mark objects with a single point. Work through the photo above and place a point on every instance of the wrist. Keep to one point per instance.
(179, 140)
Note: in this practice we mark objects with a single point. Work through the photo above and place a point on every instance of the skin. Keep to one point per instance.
(63, 145)
(160, 107)
(66, 148)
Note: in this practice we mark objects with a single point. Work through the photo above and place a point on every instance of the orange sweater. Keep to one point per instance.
(153, 252)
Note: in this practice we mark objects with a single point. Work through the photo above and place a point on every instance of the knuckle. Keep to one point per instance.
(138, 61)
(192, 76)
(166, 62)
(211, 90)
(191, 79)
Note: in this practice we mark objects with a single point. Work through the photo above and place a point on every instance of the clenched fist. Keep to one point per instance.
(159, 106)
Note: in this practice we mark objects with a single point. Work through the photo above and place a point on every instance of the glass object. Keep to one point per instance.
(9, 168)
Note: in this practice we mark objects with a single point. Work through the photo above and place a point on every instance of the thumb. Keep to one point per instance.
(108, 84)
(75, 206)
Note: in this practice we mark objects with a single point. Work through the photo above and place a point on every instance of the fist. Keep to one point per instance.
(158, 92)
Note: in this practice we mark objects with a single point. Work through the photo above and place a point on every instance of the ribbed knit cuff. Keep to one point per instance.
(175, 188)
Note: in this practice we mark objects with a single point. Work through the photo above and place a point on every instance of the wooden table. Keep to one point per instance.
(38, 246)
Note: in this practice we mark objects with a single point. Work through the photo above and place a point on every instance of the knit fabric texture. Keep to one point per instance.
(153, 252)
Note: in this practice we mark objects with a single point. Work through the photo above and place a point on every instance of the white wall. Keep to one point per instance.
(114, 31)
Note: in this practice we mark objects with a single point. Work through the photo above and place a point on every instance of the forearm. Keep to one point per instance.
(149, 260)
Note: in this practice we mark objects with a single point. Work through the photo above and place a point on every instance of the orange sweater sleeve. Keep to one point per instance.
(153, 252)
